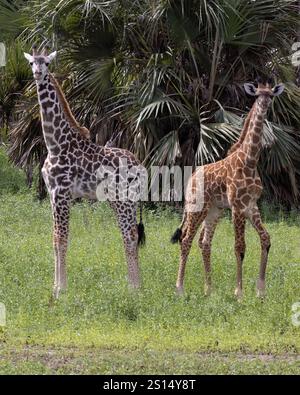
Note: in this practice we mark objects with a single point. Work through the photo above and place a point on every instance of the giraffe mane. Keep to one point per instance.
(243, 134)
(84, 132)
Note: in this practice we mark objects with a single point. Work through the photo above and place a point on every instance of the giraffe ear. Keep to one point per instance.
(278, 89)
(52, 56)
(28, 57)
(250, 89)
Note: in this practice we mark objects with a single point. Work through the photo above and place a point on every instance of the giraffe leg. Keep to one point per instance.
(201, 236)
(205, 239)
(60, 210)
(126, 215)
(193, 221)
(264, 236)
(239, 221)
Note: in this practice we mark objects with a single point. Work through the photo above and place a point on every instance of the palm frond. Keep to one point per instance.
(163, 78)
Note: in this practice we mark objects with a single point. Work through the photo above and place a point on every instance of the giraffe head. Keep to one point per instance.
(264, 92)
(39, 62)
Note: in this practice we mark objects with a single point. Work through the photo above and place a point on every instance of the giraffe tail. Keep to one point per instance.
(177, 236)
(141, 228)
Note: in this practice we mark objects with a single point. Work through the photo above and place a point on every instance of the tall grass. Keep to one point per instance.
(99, 310)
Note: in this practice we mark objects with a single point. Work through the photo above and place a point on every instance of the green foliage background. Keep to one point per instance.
(99, 327)
(163, 78)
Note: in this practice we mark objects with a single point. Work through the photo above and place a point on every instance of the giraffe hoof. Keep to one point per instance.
(179, 291)
(133, 289)
(207, 290)
(57, 291)
(238, 293)
(134, 286)
(260, 293)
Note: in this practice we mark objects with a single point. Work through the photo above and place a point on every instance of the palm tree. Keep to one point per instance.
(164, 78)
(11, 19)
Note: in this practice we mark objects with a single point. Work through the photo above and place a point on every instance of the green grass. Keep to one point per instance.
(12, 180)
(99, 326)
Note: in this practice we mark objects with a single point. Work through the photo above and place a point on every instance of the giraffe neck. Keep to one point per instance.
(252, 143)
(55, 126)
(244, 132)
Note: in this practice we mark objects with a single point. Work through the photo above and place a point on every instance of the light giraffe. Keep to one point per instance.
(70, 171)
(232, 183)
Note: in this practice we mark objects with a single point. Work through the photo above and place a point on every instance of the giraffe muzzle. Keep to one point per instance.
(37, 75)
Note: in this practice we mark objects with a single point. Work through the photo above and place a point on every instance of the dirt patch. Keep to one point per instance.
(37, 359)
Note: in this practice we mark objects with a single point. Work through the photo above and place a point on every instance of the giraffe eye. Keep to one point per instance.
(47, 64)
(31, 63)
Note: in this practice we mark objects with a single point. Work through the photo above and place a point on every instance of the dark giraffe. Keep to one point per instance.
(70, 171)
